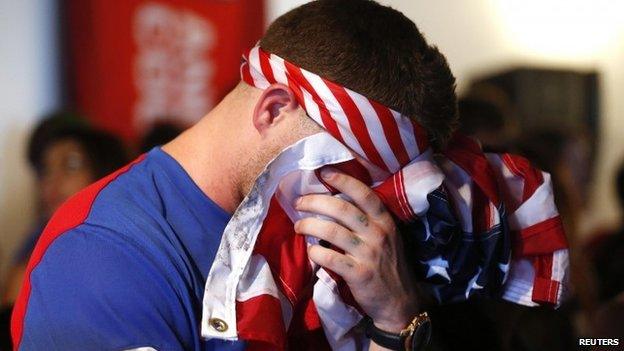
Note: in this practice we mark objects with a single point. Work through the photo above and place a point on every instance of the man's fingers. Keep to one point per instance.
(361, 194)
(341, 264)
(334, 233)
(342, 211)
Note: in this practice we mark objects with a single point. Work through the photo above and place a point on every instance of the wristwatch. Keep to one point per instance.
(413, 338)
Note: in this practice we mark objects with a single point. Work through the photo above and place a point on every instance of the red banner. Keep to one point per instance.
(133, 62)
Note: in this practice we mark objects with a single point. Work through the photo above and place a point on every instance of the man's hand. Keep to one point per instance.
(373, 263)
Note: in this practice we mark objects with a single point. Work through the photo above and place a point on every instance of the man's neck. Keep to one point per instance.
(207, 152)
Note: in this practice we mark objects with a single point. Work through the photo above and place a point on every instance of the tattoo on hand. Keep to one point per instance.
(364, 219)
(382, 209)
(355, 240)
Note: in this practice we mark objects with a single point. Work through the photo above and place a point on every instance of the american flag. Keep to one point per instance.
(476, 224)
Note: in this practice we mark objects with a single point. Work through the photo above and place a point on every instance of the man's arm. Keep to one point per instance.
(372, 264)
(93, 290)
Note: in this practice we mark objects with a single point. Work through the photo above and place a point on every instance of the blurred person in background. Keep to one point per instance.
(605, 257)
(39, 140)
(66, 155)
(606, 251)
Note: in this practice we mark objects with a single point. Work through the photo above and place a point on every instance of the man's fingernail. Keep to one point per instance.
(327, 173)
(298, 202)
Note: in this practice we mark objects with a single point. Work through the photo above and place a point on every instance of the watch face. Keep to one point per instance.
(422, 335)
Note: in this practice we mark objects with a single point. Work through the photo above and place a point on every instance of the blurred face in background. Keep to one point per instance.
(65, 169)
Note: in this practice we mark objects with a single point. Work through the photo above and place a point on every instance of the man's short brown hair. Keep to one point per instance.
(373, 50)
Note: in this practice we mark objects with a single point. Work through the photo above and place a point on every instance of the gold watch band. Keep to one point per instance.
(408, 332)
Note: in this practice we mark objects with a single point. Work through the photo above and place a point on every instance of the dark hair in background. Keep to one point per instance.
(479, 115)
(545, 148)
(47, 129)
(373, 50)
(160, 133)
(105, 151)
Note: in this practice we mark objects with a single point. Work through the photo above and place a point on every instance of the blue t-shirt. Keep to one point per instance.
(123, 265)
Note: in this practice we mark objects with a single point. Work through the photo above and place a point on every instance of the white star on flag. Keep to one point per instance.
(504, 267)
(472, 284)
(427, 229)
(437, 265)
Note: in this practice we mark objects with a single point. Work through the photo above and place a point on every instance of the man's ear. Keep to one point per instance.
(276, 99)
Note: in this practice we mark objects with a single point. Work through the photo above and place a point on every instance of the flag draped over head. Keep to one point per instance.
(475, 224)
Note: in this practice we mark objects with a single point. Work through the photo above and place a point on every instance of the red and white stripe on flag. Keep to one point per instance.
(381, 135)
(535, 221)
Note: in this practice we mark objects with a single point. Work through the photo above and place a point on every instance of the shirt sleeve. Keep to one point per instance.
(93, 290)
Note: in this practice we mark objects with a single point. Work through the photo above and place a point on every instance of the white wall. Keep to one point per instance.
(482, 35)
(28, 77)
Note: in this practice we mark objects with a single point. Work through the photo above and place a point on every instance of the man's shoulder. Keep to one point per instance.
(90, 279)
(82, 257)
(77, 208)
(110, 209)
(107, 225)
